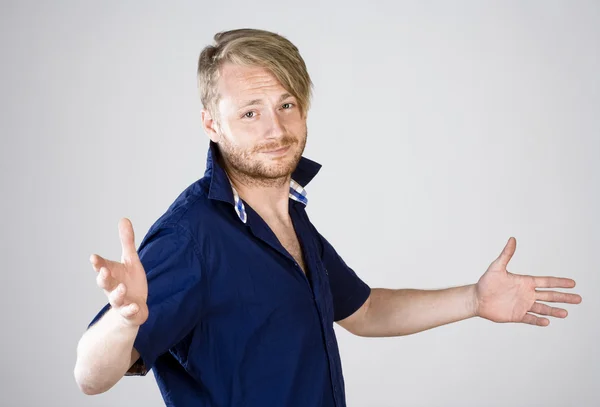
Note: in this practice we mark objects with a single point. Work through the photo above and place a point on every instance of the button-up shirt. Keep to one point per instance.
(233, 320)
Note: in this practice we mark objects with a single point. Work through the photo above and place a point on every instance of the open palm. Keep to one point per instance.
(124, 282)
(502, 296)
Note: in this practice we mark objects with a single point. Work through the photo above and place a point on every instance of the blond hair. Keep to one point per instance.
(253, 47)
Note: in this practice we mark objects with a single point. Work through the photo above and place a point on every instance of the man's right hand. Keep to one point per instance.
(124, 283)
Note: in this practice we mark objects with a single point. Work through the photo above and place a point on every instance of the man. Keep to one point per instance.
(232, 294)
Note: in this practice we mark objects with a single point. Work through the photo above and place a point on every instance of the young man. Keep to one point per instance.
(232, 295)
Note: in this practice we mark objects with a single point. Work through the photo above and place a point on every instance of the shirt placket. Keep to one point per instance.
(318, 272)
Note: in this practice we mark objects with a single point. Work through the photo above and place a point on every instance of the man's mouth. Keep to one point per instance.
(278, 150)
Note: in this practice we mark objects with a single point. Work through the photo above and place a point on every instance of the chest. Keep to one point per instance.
(265, 261)
(251, 281)
(289, 240)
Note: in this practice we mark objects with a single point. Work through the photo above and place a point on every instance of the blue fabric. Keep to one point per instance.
(233, 319)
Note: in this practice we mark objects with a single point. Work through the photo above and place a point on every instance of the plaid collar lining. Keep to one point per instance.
(297, 193)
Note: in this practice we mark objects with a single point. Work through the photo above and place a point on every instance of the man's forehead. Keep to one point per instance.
(240, 78)
(240, 82)
(233, 70)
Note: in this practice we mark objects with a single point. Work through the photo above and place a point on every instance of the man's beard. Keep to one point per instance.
(247, 164)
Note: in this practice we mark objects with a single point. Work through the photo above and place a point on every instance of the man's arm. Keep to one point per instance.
(390, 312)
(499, 296)
(154, 300)
(105, 353)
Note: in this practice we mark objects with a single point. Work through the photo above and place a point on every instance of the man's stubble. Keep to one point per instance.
(249, 169)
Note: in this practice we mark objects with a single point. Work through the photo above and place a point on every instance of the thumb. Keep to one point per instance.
(507, 253)
(127, 240)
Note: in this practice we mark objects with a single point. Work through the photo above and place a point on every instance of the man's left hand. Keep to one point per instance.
(501, 296)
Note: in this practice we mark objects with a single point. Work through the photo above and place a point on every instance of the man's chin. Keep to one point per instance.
(274, 171)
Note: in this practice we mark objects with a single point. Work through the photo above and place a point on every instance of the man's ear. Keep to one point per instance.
(210, 125)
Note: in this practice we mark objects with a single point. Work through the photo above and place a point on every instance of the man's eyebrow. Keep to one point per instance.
(260, 101)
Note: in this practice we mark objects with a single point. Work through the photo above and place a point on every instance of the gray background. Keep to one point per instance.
(443, 128)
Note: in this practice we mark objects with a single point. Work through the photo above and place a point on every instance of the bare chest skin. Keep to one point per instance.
(288, 239)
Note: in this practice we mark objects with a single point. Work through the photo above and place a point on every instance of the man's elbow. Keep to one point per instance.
(88, 390)
(85, 382)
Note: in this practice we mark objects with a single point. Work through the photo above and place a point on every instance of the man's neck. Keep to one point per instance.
(269, 198)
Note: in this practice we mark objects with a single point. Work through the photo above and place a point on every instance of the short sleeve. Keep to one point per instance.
(348, 290)
(171, 260)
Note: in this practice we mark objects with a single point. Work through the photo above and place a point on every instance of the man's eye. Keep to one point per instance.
(287, 104)
(249, 115)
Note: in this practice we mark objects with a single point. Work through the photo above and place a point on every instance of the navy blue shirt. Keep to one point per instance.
(233, 320)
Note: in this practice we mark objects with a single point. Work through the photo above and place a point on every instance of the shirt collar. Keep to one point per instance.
(222, 190)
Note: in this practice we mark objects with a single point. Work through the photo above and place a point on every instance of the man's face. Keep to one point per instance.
(262, 132)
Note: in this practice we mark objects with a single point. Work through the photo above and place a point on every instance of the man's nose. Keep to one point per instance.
(276, 126)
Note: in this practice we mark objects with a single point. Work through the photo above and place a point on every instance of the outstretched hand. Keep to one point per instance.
(505, 297)
(124, 283)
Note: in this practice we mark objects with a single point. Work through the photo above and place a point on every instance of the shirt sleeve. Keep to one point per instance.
(171, 259)
(348, 290)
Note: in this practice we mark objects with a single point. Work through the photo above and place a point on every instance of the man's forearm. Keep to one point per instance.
(408, 311)
(104, 354)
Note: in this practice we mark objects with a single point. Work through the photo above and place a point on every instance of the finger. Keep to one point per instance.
(533, 320)
(555, 296)
(105, 280)
(507, 252)
(98, 262)
(117, 296)
(554, 282)
(127, 237)
(129, 310)
(543, 309)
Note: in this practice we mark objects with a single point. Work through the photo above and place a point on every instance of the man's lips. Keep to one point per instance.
(278, 150)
